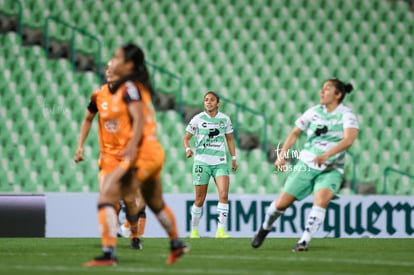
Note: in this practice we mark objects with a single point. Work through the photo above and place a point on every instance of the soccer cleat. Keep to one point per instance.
(125, 231)
(299, 247)
(136, 244)
(222, 234)
(178, 249)
(259, 237)
(194, 234)
(101, 261)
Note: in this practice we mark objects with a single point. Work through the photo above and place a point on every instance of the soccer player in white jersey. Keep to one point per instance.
(331, 128)
(211, 129)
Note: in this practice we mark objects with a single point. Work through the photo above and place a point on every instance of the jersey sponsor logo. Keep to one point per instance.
(111, 126)
(315, 117)
(321, 130)
(213, 132)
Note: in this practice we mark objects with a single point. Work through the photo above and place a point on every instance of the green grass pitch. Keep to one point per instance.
(210, 256)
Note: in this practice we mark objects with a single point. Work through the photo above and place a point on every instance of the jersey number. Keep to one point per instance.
(198, 169)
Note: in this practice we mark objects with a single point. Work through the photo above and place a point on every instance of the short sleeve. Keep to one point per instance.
(192, 126)
(303, 121)
(350, 120)
(92, 107)
(229, 128)
(131, 93)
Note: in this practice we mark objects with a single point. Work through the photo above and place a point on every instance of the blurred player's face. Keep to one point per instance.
(210, 103)
(109, 75)
(328, 94)
(118, 66)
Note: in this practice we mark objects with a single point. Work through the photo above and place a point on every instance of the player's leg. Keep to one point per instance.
(297, 187)
(222, 180)
(201, 177)
(109, 196)
(132, 209)
(142, 218)
(152, 193)
(325, 188)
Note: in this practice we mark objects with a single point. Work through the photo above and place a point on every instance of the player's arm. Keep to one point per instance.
(84, 132)
(289, 141)
(136, 112)
(186, 142)
(232, 149)
(350, 135)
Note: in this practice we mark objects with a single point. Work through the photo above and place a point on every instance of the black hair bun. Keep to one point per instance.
(348, 88)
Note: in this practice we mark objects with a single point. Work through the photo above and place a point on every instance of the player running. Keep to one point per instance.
(129, 145)
(331, 128)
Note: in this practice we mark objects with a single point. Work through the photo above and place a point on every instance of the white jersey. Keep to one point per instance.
(209, 133)
(324, 130)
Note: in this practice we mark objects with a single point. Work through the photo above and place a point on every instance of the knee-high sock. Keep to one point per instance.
(271, 215)
(222, 211)
(196, 213)
(167, 220)
(142, 220)
(108, 222)
(315, 219)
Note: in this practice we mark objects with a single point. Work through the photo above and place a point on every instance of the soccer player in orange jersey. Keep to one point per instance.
(136, 232)
(128, 140)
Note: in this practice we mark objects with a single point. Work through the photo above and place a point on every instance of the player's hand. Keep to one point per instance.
(234, 165)
(78, 155)
(129, 153)
(320, 160)
(188, 153)
(280, 165)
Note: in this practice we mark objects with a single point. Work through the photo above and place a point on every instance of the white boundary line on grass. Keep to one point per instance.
(136, 270)
(322, 260)
(171, 269)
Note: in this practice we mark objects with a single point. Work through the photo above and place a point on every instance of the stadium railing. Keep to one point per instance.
(74, 30)
(389, 170)
(161, 70)
(240, 107)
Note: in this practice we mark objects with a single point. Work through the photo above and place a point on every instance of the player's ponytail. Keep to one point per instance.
(348, 88)
(136, 55)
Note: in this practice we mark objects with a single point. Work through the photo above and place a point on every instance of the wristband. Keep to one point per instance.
(187, 149)
(233, 158)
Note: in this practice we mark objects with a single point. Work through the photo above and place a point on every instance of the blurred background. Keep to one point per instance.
(266, 58)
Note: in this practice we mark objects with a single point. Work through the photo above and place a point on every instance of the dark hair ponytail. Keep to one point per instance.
(341, 87)
(348, 88)
(140, 73)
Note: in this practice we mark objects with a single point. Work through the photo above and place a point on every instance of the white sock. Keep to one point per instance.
(196, 213)
(315, 219)
(222, 211)
(271, 215)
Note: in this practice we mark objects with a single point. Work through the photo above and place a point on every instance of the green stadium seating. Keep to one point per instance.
(271, 56)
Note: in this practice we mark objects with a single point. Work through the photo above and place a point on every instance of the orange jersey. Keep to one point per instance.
(115, 125)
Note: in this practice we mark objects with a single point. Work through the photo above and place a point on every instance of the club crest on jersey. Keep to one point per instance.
(104, 105)
(221, 124)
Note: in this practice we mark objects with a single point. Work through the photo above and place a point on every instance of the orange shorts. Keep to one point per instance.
(150, 160)
(108, 164)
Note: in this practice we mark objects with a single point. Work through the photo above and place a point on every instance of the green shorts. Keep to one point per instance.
(202, 173)
(304, 180)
